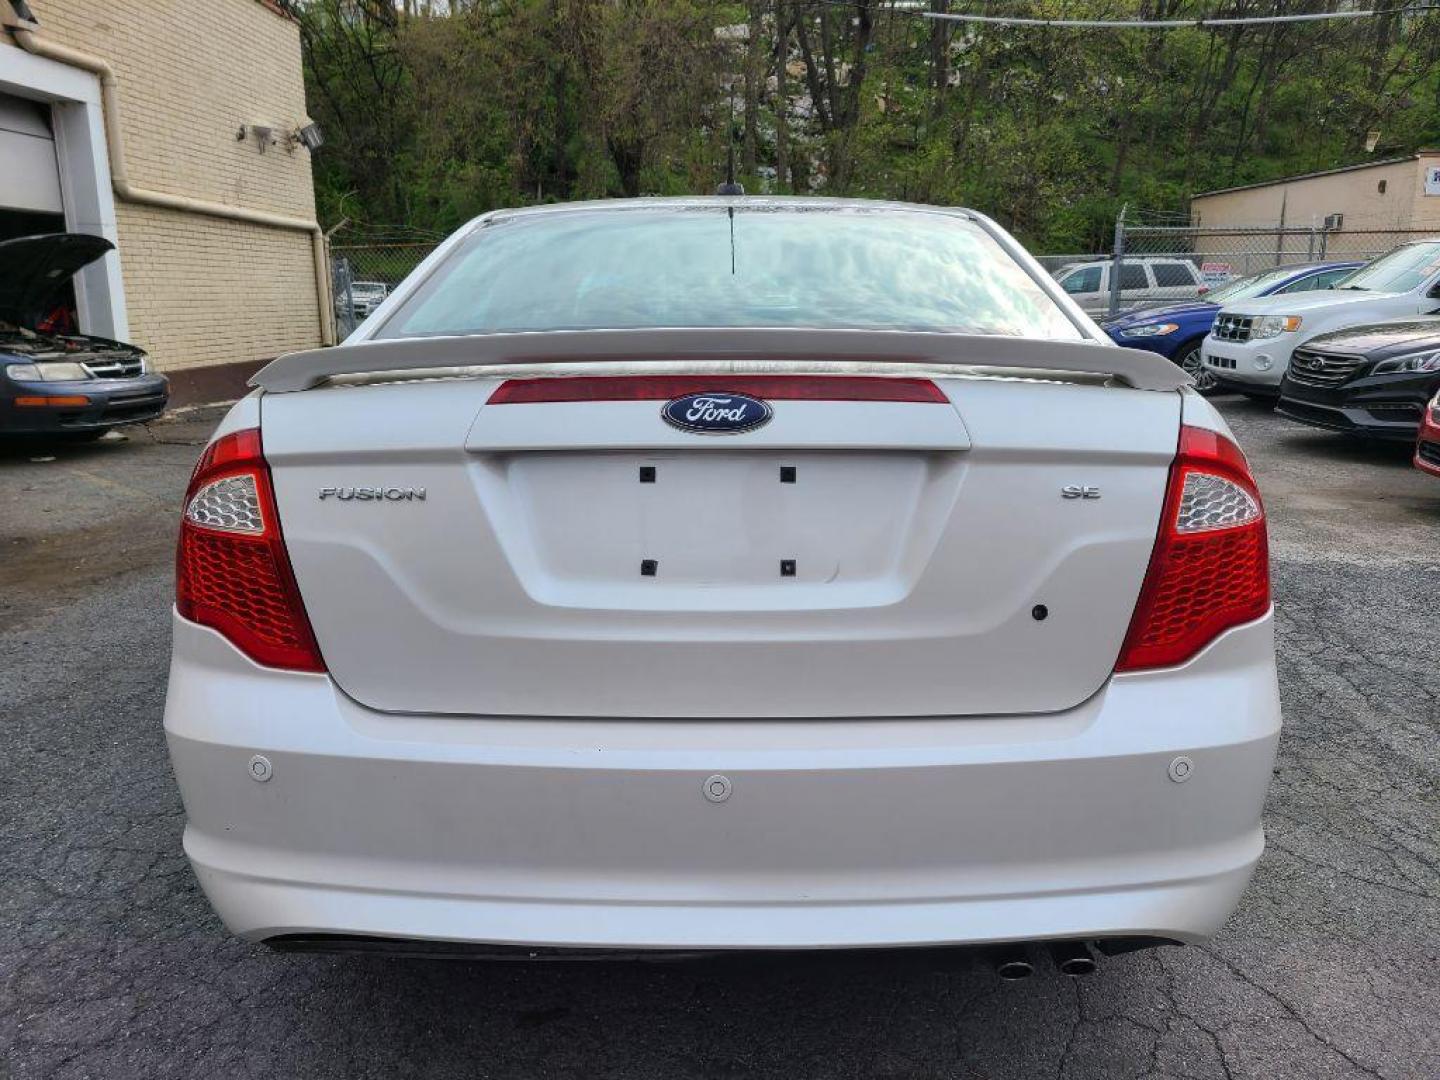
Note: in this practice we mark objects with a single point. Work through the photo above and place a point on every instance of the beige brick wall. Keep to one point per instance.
(200, 289)
(205, 291)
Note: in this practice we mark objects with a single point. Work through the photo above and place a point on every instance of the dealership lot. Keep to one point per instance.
(113, 964)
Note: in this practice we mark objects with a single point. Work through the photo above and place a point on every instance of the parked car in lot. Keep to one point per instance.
(1250, 345)
(612, 611)
(1175, 331)
(1366, 380)
(54, 381)
(1144, 282)
(1427, 445)
(362, 298)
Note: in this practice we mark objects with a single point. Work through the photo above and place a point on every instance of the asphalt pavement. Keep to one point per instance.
(112, 964)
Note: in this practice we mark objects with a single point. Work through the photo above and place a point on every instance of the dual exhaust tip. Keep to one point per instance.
(1072, 958)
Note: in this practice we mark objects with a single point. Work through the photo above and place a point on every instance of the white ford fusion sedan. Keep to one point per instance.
(723, 574)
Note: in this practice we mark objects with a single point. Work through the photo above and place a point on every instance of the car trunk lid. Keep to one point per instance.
(977, 551)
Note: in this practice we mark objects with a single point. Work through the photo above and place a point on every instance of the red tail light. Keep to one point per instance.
(231, 570)
(1210, 569)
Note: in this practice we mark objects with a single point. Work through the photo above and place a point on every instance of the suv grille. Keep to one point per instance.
(124, 366)
(1232, 328)
(1322, 369)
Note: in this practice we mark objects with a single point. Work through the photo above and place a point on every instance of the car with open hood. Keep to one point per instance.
(1176, 331)
(53, 379)
(1372, 380)
(736, 573)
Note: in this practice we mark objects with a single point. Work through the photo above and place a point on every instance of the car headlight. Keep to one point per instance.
(1158, 330)
(1268, 326)
(1421, 361)
(53, 371)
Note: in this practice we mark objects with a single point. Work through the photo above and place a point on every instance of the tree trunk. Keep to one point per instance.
(752, 89)
(939, 56)
(781, 104)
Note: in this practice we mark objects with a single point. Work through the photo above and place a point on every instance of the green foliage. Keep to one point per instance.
(432, 118)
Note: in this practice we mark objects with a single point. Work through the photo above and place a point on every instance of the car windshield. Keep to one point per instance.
(1400, 271)
(1246, 287)
(711, 266)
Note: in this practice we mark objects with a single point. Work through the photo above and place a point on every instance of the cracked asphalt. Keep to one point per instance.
(112, 964)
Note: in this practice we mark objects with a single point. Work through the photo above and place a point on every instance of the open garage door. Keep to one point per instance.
(30, 194)
(30, 199)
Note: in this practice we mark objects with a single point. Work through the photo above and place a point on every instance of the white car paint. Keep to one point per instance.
(596, 832)
(516, 738)
(520, 559)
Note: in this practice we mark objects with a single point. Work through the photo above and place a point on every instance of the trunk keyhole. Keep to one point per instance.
(1039, 612)
(787, 567)
(648, 567)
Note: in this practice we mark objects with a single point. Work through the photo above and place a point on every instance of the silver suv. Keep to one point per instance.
(1143, 282)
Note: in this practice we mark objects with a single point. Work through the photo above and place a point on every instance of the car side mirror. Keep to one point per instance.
(1434, 293)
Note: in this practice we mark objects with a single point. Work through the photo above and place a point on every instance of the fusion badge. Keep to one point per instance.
(373, 494)
(716, 412)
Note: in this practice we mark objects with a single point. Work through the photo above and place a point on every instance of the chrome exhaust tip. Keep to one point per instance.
(1012, 966)
(1072, 958)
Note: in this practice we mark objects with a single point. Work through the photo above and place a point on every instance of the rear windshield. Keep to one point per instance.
(849, 268)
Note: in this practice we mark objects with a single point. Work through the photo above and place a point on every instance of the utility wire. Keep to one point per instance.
(1201, 23)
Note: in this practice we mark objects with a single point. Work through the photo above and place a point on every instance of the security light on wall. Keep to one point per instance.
(264, 136)
(309, 136)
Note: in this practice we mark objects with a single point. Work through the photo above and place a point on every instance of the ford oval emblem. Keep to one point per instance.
(716, 412)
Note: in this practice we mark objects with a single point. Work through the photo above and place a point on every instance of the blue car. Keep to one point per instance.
(1175, 331)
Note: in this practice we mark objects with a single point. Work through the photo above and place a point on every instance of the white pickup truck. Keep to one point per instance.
(1249, 347)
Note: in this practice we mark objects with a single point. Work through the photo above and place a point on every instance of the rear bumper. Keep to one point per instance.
(112, 402)
(854, 833)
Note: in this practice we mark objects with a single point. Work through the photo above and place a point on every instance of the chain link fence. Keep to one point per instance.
(1151, 265)
(363, 273)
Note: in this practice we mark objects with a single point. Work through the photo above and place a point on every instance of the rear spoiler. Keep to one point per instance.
(876, 350)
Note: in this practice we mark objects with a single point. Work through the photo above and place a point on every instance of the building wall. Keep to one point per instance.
(202, 290)
(1309, 200)
(1427, 207)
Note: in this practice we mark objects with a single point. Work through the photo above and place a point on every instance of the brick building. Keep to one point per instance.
(171, 128)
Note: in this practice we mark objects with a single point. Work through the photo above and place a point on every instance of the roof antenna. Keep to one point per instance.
(730, 187)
